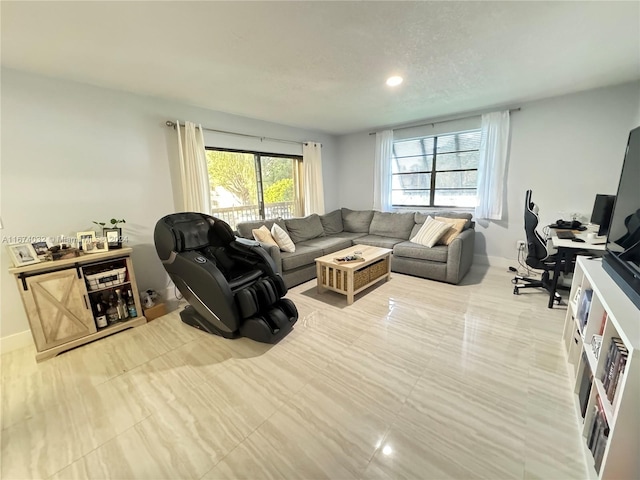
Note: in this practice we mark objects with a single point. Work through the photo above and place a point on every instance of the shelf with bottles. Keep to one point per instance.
(114, 305)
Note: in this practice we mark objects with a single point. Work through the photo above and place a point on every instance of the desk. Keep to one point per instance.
(565, 250)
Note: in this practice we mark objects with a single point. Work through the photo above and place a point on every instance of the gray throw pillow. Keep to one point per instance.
(301, 229)
(332, 222)
(396, 225)
(356, 221)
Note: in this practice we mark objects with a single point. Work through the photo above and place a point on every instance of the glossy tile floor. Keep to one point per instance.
(416, 379)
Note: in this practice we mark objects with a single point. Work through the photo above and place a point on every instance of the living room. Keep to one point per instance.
(76, 150)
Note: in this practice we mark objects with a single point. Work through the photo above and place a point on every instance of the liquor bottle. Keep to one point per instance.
(112, 311)
(131, 304)
(123, 313)
(100, 314)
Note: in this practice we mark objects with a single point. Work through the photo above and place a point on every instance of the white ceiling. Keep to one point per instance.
(322, 65)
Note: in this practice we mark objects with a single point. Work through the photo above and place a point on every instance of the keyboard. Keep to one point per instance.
(565, 235)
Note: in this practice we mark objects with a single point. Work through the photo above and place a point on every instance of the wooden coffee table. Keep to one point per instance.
(354, 277)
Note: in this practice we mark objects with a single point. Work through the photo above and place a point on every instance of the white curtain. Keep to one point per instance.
(382, 173)
(313, 187)
(196, 193)
(492, 165)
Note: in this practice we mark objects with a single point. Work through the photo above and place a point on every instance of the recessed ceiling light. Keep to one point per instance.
(394, 81)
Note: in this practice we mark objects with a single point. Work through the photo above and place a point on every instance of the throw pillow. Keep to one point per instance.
(430, 232)
(263, 235)
(282, 239)
(456, 224)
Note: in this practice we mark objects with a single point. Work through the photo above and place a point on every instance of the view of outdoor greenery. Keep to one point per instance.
(233, 177)
(236, 173)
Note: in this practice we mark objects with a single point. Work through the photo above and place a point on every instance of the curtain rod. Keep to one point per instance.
(445, 119)
(171, 124)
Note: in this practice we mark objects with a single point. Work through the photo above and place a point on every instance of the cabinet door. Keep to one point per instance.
(57, 308)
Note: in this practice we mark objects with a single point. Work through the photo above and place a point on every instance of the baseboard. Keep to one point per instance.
(15, 341)
(500, 262)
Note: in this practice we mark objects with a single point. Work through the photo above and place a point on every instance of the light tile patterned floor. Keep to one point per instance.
(416, 379)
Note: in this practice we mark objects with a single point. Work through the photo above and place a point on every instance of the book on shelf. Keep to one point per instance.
(614, 367)
(576, 297)
(584, 307)
(596, 344)
(602, 324)
(585, 386)
(598, 434)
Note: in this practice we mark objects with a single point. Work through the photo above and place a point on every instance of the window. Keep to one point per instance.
(438, 171)
(249, 186)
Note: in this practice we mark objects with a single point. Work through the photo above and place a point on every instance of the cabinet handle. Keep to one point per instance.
(84, 297)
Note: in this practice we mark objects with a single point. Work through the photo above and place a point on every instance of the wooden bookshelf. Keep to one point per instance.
(610, 428)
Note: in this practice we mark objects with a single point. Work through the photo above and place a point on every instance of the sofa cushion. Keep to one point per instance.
(378, 241)
(457, 224)
(430, 232)
(439, 253)
(332, 222)
(356, 221)
(328, 244)
(350, 236)
(397, 225)
(301, 229)
(263, 235)
(304, 255)
(420, 217)
(282, 238)
(245, 228)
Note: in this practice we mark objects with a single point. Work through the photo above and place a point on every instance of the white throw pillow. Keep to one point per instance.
(430, 232)
(263, 235)
(282, 238)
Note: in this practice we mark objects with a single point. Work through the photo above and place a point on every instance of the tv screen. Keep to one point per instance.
(622, 259)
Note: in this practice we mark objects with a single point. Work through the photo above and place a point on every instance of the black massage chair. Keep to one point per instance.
(231, 284)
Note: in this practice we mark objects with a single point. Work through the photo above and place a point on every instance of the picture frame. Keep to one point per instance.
(23, 254)
(84, 237)
(98, 245)
(41, 248)
(113, 237)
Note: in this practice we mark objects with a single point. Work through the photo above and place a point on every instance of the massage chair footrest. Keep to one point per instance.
(273, 324)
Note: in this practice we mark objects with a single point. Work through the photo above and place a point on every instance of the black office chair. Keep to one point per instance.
(231, 284)
(538, 256)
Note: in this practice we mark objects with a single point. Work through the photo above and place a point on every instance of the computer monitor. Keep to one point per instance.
(601, 214)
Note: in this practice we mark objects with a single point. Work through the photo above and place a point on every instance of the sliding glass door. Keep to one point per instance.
(252, 186)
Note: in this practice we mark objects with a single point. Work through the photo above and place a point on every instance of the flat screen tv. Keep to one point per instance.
(622, 258)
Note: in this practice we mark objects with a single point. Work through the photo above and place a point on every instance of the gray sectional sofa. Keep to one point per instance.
(318, 235)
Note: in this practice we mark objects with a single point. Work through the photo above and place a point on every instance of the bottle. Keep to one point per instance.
(131, 304)
(121, 307)
(100, 314)
(112, 311)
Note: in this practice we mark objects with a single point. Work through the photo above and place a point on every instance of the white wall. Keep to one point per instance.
(73, 153)
(565, 149)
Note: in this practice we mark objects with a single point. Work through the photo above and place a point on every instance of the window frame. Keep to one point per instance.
(258, 169)
(433, 172)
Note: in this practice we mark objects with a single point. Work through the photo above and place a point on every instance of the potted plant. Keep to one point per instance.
(112, 233)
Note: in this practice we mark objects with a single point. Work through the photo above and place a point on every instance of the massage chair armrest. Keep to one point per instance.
(258, 256)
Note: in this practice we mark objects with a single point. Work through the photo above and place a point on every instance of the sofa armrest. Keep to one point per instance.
(460, 255)
(274, 252)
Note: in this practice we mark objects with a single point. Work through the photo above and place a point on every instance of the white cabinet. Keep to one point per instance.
(60, 300)
(606, 381)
